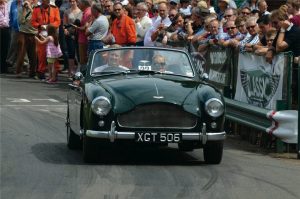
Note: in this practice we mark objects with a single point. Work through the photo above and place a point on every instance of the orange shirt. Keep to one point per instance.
(124, 31)
(45, 16)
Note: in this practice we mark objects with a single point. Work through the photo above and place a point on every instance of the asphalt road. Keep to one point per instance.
(36, 164)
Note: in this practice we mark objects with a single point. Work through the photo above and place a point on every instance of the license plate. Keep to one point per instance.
(157, 137)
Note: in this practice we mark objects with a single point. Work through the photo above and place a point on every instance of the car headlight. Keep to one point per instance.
(101, 105)
(214, 107)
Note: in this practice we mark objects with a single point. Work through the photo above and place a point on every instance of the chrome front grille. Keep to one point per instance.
(157, 116)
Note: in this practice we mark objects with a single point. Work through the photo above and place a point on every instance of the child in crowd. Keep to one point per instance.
(53, 51)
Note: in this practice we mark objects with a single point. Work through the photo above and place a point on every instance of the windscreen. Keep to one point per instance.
(131, 59)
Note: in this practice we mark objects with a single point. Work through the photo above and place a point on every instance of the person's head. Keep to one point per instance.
(240, 23)
(96, 9)
(223, 4)
(293, 6)
(251, 26)
(163, 10)
(141, 9)
(231, 28)
(214, 27)
(198, 16)
(264, 23)
(114, 58)
(270, 36)
(172, 14)
(118, 9)
(184, 3)
(73, 3)
(45, 3)
(246, 12)
(230, 14)
(173, 4)
(277, 17)
(262, 6)
(149, 4)
(179, 20)
(52, 31)
(83, 4)
(208, 20)
(201, 4)
(108, 7)
(158, 63)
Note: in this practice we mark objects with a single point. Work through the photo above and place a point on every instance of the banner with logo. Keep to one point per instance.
(258, 82)
(218, 65)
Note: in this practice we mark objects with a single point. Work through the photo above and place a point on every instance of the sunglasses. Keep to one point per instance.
(225, 16)
(250, 27)
(246, 13)
(231, 28)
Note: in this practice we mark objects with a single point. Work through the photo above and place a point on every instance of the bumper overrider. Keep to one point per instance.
(113, 135)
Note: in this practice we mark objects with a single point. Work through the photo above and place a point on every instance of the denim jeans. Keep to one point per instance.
(94, 45)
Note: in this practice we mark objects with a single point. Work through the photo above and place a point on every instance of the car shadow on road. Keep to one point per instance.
(58, 153)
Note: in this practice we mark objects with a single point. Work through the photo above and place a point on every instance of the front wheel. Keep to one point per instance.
(213, 152)
(73, 140)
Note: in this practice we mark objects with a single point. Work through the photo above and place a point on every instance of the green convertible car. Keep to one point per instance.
(147, 96)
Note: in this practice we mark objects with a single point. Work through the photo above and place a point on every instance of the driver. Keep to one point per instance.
(159, 63)
(113, 63)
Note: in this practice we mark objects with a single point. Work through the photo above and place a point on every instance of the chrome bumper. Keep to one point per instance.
(113, 135)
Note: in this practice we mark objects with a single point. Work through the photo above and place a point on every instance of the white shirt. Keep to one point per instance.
(147, 39)
(99, 28)
(142, 27)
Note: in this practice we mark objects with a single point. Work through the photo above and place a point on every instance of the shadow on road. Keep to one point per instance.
(58, 153)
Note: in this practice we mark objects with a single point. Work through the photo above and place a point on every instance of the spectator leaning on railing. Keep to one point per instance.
(288, 40)
(247, 44)
(294, 11)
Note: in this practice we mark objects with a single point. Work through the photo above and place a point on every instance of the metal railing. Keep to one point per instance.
(248, 115)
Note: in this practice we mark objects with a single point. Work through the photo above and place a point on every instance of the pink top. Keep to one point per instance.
(53, 51)
(4, 15)
(86, 15)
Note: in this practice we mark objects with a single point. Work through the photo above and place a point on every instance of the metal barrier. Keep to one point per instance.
(248, 115)
(281, 124)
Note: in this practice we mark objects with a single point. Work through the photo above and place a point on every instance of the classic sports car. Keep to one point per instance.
(151, 96)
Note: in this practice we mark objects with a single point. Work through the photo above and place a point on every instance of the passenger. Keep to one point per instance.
(159, 63)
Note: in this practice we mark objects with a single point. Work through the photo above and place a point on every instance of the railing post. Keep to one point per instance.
(280, 146)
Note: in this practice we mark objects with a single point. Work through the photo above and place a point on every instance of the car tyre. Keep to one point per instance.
(73, 140)
(213, 152)
(89, 149)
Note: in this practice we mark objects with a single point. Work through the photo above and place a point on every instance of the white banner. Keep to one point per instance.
(258, 82)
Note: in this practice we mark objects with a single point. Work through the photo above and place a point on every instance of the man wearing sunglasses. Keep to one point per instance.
(247, 44)
(231, 38)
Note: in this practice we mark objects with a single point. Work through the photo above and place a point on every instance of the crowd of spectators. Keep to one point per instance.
(86, 25)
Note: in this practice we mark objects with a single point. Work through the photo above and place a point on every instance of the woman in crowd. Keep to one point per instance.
(70, 16)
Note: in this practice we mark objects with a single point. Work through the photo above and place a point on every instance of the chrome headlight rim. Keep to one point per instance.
(219, 113)
(94, 108)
